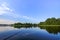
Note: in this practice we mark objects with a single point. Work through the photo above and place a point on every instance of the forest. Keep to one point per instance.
(19, 25)
(48, 22)
(51, 21)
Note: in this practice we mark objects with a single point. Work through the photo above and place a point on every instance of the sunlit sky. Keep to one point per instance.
(28, 10)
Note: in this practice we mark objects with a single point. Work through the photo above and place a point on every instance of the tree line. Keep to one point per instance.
(51, 21)
(19, 25)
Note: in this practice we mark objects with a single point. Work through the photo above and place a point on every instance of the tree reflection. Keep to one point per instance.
(51, 29)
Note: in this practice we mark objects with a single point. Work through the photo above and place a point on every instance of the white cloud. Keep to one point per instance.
(6, 10)
(26, 17)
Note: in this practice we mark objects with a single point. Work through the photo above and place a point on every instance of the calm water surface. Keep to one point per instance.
(34, 33)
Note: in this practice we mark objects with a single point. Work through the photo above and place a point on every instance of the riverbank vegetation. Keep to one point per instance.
(50, 22)
(19, 25)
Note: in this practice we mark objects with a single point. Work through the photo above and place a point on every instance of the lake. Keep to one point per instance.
(33, 33)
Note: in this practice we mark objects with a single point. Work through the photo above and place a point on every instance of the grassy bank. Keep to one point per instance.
(49, 25)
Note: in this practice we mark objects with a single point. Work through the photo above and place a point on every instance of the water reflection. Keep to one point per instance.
(30, 33)
(51, 29)
(6, 28)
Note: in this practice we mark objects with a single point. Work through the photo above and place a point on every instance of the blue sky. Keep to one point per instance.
(29, 10)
